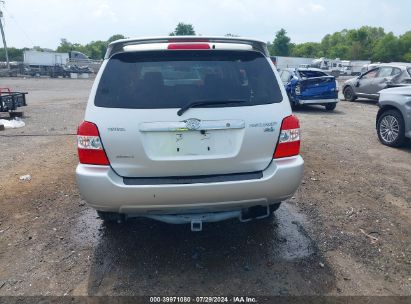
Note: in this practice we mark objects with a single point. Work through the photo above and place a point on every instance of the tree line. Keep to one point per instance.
(365, 43)
(94, 49)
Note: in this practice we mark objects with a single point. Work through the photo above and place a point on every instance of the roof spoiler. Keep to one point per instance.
(118, 46)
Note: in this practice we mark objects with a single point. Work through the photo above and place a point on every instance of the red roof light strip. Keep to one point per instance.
(188, 46)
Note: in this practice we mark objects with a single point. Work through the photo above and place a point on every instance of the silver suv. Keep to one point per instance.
(394, 116)
(188, 130)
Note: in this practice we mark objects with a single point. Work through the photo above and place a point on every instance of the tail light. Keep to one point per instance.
(298, 90)
(336, 86)
(90, 148)
(289, 142)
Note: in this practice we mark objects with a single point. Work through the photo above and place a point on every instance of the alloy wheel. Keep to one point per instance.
(389, 128)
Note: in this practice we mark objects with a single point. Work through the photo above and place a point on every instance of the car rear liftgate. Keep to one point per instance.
(150, 129)
(318, 88)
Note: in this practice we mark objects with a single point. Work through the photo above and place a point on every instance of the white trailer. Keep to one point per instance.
(45, 59)
(282, 62)
(357, 66)
(353, 67)
(328, 64)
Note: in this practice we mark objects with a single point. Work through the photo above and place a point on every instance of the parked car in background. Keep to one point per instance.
(309, 86)
(188, 130)
(369, 84)
(394, 117)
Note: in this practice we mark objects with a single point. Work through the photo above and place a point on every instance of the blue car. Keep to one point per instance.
(310, 86)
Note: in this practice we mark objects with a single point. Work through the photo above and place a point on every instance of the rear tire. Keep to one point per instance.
(330, 106)
(391, 128)
(349, 94)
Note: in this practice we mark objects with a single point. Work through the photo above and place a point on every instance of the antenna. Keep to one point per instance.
(3, 36)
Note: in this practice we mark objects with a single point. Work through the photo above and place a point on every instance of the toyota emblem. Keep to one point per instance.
(193, 124)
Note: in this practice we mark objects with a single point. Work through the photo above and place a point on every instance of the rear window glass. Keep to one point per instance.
(171, 79)
(311, 74)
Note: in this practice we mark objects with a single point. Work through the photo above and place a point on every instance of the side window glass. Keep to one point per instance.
(371, 74)
(395, 71)
(385, 72)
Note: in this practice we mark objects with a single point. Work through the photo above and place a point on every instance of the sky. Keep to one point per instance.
(43, 23)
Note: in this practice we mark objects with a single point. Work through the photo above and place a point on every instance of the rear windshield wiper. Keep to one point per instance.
(202, 102)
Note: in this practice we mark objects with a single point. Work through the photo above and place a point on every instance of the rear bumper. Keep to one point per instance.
(104, 190)
(317, 101)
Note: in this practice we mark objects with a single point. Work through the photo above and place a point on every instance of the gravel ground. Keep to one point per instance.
(346, 231)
